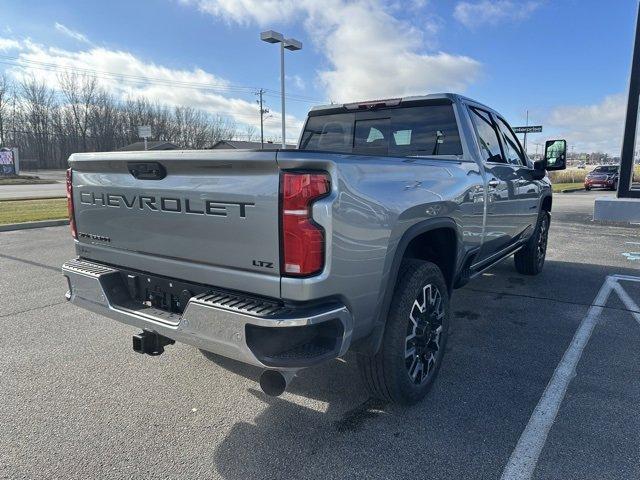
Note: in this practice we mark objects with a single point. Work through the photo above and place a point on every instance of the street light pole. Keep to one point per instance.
(525, 134)
(292, 44)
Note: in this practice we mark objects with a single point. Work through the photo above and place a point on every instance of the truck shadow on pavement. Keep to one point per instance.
(508, 333)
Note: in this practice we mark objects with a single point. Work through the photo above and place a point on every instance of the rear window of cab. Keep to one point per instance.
(402, 131)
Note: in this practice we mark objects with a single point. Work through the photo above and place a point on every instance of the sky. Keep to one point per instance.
(565, 61)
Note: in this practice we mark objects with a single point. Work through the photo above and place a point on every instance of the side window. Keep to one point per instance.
(487, 136)
(512, 148)
(428, 130)
(372, 136)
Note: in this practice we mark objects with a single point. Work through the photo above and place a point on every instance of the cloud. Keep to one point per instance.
(297, 81)
(493, 12)
(591, 128)
(135, 77)
(245, 12)
(7, 44)
(371, 53)
(72, 33)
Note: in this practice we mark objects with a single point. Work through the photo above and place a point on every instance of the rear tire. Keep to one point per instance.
(587, 188)
(415, 335)
(530, 259)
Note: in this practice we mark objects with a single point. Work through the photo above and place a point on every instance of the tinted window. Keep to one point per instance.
(404, 131)
(487, 136)
(511, 145)
(372, 136)
(333, 133)
(607, 169)
(430, 130)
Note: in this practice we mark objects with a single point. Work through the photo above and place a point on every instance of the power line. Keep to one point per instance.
(20, 62)
(105, 75)
(77, 136)
(231, 116)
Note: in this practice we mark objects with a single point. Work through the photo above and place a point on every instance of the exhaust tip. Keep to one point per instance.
(273, 383)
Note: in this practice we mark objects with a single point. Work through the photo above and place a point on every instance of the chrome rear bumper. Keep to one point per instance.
(226, 324)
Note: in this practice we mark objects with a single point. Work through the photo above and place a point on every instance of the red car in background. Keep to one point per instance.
(603, 176)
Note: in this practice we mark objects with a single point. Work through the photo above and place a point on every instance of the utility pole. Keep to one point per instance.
(262, 112)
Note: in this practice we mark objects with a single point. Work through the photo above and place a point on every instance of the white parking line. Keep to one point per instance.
(626, 278)
(628, 302)
(524, 457)
(632, 256)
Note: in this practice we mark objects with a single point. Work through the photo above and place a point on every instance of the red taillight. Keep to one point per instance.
(302, 238)
(72, 218)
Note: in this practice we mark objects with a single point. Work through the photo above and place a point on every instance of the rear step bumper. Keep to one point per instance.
(261, 332)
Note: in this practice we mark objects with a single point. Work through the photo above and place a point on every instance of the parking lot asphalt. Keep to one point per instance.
(76, 402)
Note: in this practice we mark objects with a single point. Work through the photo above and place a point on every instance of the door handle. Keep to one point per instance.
(493, 183)
(147, 170)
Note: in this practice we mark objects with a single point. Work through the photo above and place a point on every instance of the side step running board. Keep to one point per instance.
(472, 271)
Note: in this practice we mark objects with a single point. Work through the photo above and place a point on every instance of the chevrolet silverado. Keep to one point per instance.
(284, 259)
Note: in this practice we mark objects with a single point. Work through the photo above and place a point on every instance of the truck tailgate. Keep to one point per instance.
(216, 209)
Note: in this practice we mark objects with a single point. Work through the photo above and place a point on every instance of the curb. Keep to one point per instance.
(23, 226)
(569, 190)
(613, 223)
(22, 184)
(22, 199)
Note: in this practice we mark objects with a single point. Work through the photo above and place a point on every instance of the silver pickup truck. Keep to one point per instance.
(283, 259)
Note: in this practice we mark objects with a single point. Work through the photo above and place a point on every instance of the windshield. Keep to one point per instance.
(606, 169)
(405, 131)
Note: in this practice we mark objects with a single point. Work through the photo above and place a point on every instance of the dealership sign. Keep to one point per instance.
(144, 131)
(7, 162)
(529, 129)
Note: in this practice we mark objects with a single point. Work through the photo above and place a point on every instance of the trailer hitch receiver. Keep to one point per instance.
(150, 343)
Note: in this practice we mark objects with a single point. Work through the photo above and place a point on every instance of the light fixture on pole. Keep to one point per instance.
(290, 44)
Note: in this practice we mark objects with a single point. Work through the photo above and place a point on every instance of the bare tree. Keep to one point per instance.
(82, 117)
(80, 92)
(108, 127)
(5, 89)
(222, 128)
(250, 133)
(37, 104)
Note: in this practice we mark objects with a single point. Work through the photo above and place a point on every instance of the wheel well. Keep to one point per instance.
(438, 246)
(546, 204)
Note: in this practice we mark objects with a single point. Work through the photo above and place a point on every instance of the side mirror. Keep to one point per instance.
(555, 155)
(539, 169)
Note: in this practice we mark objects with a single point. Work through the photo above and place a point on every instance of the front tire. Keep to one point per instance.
(530, 259)
(404, 368)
